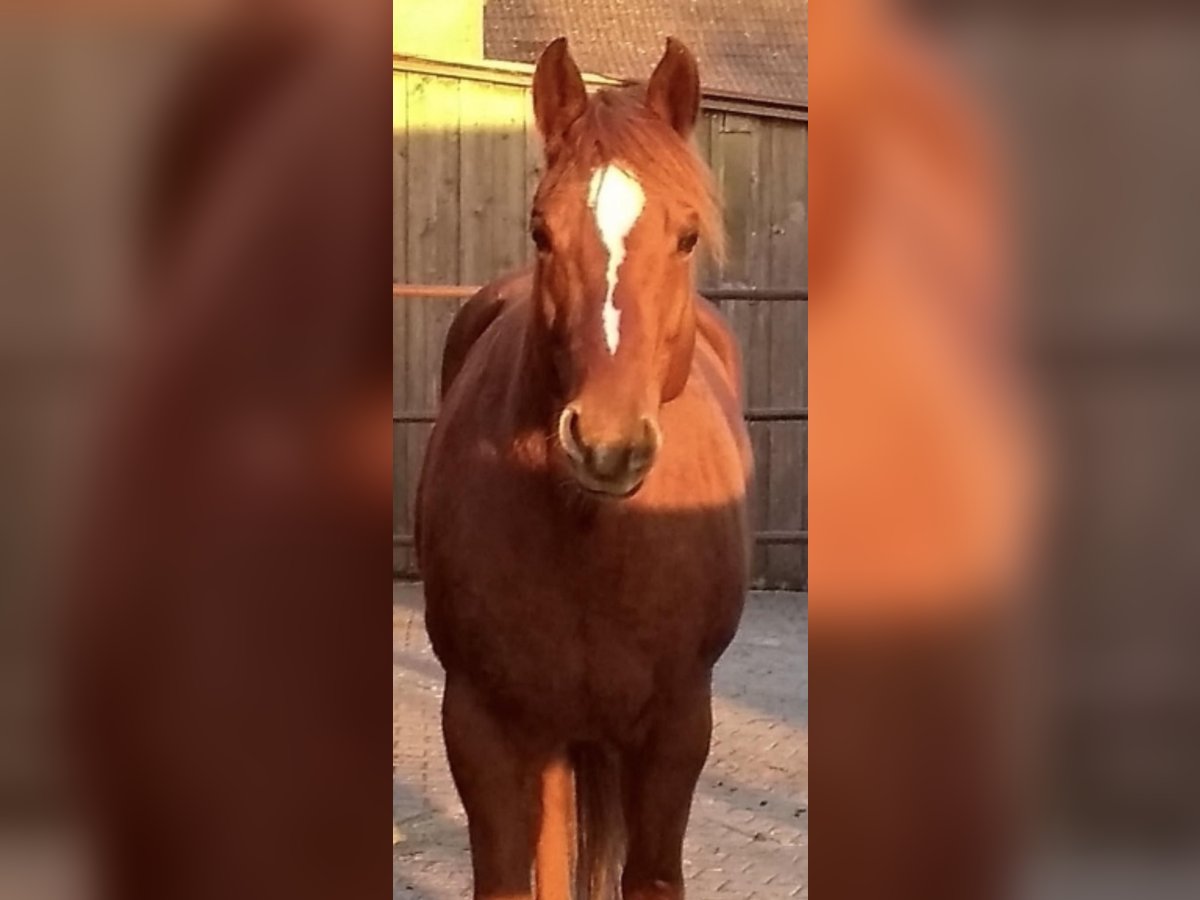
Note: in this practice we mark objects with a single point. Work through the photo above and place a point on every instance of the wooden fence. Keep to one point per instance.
(466, 160)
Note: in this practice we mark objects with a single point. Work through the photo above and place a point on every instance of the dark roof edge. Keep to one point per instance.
(519, 74)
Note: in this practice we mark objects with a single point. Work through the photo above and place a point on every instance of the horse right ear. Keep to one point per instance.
(559, 97)
(673, 91)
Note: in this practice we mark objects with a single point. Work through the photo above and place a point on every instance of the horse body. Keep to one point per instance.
(581, 524)
(571, 620)
(577, 613)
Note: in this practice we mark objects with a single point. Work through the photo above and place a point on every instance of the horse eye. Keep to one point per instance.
(541, 238)
(687, 241)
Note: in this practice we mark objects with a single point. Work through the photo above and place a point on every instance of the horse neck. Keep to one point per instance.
(534, 392)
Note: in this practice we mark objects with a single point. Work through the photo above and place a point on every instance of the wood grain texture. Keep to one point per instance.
(434, 249)
(401, 557)
(787, 487)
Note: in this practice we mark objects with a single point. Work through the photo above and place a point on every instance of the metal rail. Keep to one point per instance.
(768, 538)
(459, 291)
(753, 414)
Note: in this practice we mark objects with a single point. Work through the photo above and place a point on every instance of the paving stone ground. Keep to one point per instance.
(748, 837)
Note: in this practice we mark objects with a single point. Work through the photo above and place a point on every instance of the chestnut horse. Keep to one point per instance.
(581, 517)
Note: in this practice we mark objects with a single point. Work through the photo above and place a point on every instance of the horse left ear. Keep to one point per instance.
(559, 95)
(674, 89)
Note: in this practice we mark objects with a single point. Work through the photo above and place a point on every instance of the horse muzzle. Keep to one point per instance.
(614, 467)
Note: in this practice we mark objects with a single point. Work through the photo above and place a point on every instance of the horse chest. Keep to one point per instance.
(582, 612)
(586, 621)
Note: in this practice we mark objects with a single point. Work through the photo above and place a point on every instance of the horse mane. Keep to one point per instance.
(618, 127)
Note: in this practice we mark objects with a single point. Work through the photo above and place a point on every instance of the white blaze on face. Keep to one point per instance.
(616, 200)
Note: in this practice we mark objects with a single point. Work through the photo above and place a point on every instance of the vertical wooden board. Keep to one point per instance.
(736, 163)
(492, 198)
(759, 438)
(760, 442)
(786, 495)
(804, 475)
(433, 245)
(399, 431)
(730, 165)
(735, 157)
(796, 141)
(440, 312)
(399, 174)
(447, 268)
(798, 214)
(788, 487)
(762, 183)
(788, 263)
(509, 222)
(401, 562)
(758, 360)
(475, 182)
(421, 212)
(400, 153)
(757, 225)
(707, 269)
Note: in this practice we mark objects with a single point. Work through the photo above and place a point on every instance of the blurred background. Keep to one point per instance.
(1031, 440)
(80, 99)
(185, 303)
(196, 451)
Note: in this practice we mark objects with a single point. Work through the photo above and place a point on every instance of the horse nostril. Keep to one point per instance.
(643, 452)
(568, 432)
(573, 428)
(653, 435)
(616, 462)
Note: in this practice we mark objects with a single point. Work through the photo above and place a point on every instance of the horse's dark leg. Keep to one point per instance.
(660, 777)
(499, 784)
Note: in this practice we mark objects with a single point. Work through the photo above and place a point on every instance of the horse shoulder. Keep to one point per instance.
(475, 317)
(721, 366)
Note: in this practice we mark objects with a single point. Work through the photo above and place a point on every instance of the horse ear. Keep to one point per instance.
(674, 89)
(559, 97)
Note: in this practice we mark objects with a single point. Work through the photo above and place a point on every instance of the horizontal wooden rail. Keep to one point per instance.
(781, 537)
(459, 291)
(772, 538)
(753, 414)
(776, 414)
(435, 291)
(756, 294)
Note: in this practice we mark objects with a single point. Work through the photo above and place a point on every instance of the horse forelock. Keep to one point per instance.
(618, 128)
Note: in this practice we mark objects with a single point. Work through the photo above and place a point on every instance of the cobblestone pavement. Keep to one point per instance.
(748, 837)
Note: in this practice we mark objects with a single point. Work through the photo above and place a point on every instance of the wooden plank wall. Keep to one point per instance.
(466, 161)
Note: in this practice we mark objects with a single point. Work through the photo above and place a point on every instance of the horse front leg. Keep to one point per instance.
(499, 782)
(660, 778)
